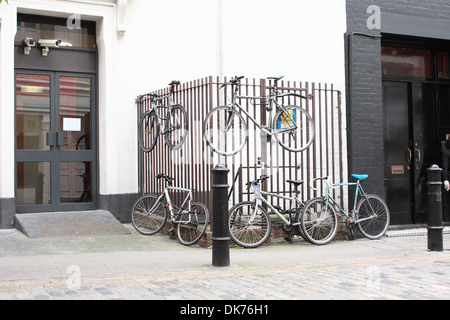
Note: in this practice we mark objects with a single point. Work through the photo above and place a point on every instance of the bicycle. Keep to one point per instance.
(226, 131)
(319, 220)
(151, 212)
(175, 122)
(249, 222)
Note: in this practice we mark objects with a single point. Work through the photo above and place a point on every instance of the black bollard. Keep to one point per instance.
(435, 226)
(220, 230)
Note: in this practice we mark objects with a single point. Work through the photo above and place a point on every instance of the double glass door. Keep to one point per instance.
(55, 141)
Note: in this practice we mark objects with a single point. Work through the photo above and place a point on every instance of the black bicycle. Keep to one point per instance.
(173, 117)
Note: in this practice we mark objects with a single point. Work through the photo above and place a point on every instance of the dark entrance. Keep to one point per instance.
(416, 104)
(56, 126)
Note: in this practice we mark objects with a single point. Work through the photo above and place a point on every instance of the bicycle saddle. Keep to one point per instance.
(168, 179)
(295, 182)
(276, 78)
(360, 176)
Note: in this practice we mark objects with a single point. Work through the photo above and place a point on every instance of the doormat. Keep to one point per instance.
(72, 224)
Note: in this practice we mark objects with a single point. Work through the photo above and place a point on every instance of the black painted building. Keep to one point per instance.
(398, 98)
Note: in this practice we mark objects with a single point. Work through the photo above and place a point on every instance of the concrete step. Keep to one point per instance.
(76, 223)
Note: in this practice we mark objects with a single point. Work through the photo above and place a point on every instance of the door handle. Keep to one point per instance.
(418, 154)
(409, 154)
(55, 139)
(51, 139)
(60, 138)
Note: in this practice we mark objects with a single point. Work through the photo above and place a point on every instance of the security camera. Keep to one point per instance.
(49, 43)
(29, 42)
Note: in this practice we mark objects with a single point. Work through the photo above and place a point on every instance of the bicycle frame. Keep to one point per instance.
(358, 191)
(271, 100)
(259, 199)
(169, 108)
(169, 205)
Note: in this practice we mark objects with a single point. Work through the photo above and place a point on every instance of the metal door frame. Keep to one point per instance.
(55, 156)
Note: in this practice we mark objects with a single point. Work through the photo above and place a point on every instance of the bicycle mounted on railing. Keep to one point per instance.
(226, 131)
(172, 116)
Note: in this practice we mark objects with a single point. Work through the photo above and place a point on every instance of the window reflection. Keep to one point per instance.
(33, 183)
(75, 113)
(443, 65)
(78, 33)
(75, 179)
(406, 63)
(32, 111)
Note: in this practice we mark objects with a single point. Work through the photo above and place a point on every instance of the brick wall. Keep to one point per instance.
(364, 84)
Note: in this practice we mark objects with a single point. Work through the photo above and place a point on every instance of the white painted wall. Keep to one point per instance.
(183, 40)
(300, 39)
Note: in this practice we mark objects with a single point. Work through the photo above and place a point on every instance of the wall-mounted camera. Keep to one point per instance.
(46, 44)
(29, 43)
(49, 43)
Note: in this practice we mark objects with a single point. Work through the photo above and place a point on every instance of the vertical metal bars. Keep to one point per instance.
(191, 165)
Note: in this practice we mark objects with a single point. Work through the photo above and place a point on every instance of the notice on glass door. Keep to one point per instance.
(72, 124)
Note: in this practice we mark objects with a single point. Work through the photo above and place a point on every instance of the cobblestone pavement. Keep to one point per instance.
(389, 269)
(398, 279)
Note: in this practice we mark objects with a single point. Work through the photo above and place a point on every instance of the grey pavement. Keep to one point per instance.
(137, 267)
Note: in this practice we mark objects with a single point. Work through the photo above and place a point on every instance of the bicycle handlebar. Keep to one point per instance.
(255, 182)
(162, 175)
(311, 184)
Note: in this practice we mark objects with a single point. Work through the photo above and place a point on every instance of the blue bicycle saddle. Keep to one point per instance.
(360, 176)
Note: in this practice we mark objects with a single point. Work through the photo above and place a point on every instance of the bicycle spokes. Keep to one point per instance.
(176, 127)
(192, 224)
(319, 222)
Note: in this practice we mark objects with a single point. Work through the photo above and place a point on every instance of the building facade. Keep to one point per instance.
(68, 124)
(68, 129)
(398, 97)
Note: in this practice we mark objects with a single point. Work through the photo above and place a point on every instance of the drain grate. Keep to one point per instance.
(412, 232)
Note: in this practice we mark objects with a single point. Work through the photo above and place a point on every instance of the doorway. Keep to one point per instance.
(55, 149)
(55, 117)
(415, 105)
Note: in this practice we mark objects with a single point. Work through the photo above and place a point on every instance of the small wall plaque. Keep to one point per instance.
(397, 170)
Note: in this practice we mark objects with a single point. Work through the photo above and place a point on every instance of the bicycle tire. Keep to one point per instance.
(176, 137)
(196, 223)
(148, 131)
(249, 235)
(292, 140)
(144, 221)
(298, 222)
(319, 221)
(373, 205)
(226, 142)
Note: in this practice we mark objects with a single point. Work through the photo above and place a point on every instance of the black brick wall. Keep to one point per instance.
(364, 84)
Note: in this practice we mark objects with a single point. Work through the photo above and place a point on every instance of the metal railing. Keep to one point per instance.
(191, 165)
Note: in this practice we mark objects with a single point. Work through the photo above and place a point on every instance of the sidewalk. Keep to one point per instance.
(158, 268)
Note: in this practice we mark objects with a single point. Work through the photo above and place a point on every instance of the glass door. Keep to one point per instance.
(55, 149)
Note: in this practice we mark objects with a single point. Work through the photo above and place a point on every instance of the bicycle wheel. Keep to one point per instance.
(245, 233)
(176, 127)
(319, 221)
(298, 222)
(193, 224)
(148, 216)
(148, 131)
(295, 128)
(225, 131)
(375, 210)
